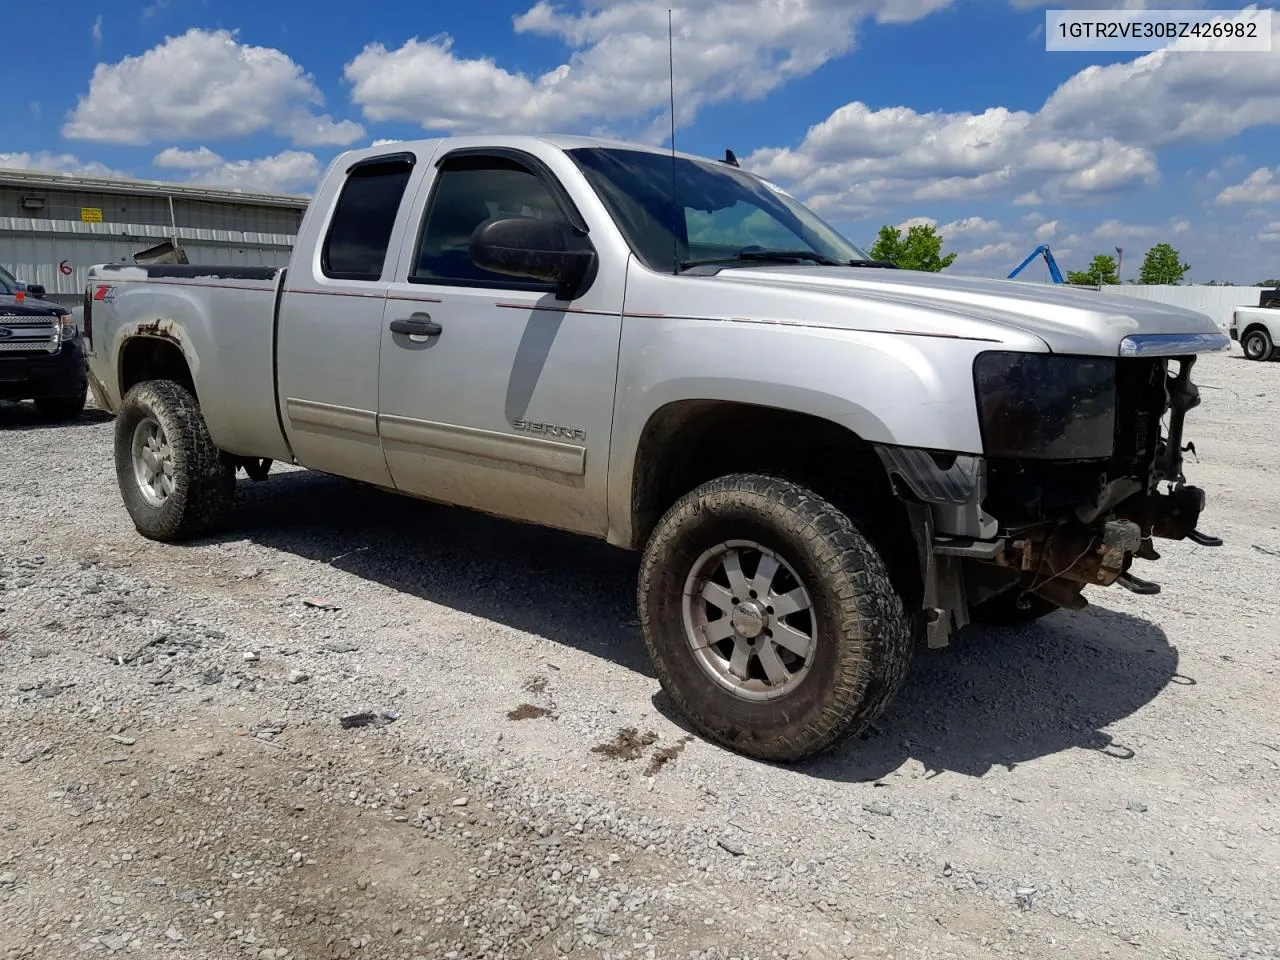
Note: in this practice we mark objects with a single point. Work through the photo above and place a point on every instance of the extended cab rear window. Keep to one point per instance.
(360, 232)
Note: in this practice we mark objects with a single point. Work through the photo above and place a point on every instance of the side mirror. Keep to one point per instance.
(36, 290)
(544, 250)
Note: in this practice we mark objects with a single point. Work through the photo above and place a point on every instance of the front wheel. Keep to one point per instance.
(175, 483)
(770, 618)
(1257, 345)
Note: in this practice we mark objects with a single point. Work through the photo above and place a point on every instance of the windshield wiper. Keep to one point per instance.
(781, 256)
(784, 256)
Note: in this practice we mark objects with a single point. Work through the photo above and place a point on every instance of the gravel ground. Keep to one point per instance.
(176, 781)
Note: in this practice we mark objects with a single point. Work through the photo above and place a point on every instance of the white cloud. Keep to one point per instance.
(178, 159)
(1109, 4)
(56, 163)
(206, 85)
(910, 222)
(1094, 136)
(1170, 96)
(1001, 251)
(1261, 186)
(947, 156)
(293, 171)
(1113, 230)
(96, 31)
(968, 225)
(309, 130)
(383, 141)
(617, 67)
(1046, 231)
(1270, 233)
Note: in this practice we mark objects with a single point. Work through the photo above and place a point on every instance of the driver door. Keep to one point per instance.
(493, 394)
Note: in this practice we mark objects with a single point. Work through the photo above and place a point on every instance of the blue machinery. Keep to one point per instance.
(1052, 264)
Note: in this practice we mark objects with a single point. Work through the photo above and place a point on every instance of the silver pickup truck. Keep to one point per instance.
(825, 460)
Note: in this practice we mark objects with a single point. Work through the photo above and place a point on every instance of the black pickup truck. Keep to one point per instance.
(41, 351)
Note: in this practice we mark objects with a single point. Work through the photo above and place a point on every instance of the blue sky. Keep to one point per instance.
(873, 111)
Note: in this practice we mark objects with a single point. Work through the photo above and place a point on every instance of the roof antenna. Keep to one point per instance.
(675, 205)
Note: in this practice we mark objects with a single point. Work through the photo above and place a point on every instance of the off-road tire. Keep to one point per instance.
(1011, 609)
(1257, 345)
(62, 408)
(862, 633)
(204, 480)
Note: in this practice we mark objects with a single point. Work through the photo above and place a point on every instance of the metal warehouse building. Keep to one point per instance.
(54, 227)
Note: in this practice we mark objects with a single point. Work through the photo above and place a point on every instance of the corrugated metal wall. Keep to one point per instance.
(52, 245)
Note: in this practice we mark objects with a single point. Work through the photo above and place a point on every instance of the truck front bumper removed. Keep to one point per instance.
(987, 525)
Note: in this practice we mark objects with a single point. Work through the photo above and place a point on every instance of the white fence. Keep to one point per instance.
(1218, 303)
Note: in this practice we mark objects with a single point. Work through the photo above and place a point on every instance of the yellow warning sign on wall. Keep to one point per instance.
(90, 214)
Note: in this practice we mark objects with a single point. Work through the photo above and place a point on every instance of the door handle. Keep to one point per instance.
(418, 325)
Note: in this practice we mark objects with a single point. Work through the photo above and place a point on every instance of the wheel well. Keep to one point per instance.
(1257, 325)
(153, 358)
(688, 443)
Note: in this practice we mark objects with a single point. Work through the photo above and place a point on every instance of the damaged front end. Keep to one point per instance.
(1082, 471)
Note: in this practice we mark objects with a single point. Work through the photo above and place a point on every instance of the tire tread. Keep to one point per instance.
(202, 497)
(876, 640)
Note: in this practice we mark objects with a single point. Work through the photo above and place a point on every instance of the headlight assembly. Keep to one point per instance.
(1044, 406)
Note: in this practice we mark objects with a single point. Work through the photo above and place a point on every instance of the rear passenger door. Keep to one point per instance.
(507, 405)
(331, 317)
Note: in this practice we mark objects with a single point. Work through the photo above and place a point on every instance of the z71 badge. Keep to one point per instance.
(550, 430)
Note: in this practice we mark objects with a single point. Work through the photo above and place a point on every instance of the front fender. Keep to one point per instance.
(887, 389)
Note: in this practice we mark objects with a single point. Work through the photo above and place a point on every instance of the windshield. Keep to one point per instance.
(8, 285)
(724, 213)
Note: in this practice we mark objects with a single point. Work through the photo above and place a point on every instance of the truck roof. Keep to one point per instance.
(515, 141)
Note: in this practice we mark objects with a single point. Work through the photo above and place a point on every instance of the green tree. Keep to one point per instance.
(920, 249)
(1268, 283)
(1103, 270)
(1162, 265)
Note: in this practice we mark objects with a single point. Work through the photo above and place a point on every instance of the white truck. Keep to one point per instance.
(825, 460)
(1258, 328)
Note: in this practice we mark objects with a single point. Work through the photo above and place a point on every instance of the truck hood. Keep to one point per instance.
(10, 306)
(1066, 319)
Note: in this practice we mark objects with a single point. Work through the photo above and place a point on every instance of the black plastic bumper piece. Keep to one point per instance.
(32, 376)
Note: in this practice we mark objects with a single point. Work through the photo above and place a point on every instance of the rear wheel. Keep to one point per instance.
(175, 483)
(1257, 345)
(1011, 608)
(770, 619)
(63, 408)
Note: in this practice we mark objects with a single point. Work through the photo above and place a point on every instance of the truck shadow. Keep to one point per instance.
(574, 590)
(999, 697)
(994, 698)
(16, 417)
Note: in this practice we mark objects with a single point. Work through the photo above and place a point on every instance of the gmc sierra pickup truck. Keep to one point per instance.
(823, 459)
(41, 351)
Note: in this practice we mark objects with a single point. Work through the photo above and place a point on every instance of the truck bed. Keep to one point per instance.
(180, 305)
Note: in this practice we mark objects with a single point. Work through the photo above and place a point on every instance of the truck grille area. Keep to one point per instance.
(1029, 491)
(25, 334)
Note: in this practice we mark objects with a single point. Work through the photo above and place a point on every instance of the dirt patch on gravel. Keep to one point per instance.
(665, 755)
(629, 744)
(528, 711)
